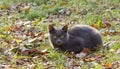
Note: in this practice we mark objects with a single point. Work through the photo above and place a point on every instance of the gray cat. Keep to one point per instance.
(75, 39)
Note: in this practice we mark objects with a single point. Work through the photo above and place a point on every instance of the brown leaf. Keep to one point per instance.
(71, 55)
(90, 59)
(95, 26)
(99, 56)
(20, 62)
(7, 41)
(106, 24)
(31, 52)
(106, 33)
(108, 65)
(30, 33)
(17, 28)
(43, 52)
(39, 34)
(86, 50)
(1, 49)
(96, 48)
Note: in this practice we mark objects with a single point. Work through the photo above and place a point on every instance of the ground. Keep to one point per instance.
(24, 34)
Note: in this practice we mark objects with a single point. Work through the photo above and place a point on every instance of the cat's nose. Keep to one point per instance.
(59, 42)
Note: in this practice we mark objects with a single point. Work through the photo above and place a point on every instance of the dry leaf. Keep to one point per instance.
(1, 49)
(86, 50)
(112, 50)
(106, 33)
(107, 25)
(43, 52)
(108, 65)
(7, 29)
(99, 56)
(71, 55)
(17, 40)
(3, 6)
(95, 26)
(90, 59)
(64, 3)
(118, 51)
(25, 9)
(31, 52)
(17, 28)
(81, 55)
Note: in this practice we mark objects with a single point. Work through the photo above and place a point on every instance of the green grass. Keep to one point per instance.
(88, 12)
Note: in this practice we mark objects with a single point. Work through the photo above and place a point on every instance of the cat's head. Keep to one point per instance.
(58, 36)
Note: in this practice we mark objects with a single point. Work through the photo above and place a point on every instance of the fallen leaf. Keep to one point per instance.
(90, 59)
(17, 28)
(31, 66)
(81, 55)
(7, 29)
(64, 3)
(107, 25)
(32, 40)
(118, 51)
(43, 52)
(1, 49)
(25, 9)
(30, 33)
(99, 56)
(17, 40)
(3, 6)
(108, 65)
(106, 33)
(25, 52)
(86, 50)
(95, 26)
(15, 50)
(71, 55)
(112, 50)
(30, 52)
(2, 36)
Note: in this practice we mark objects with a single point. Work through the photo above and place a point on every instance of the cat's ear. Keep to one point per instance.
(51, 28)
(65, 28)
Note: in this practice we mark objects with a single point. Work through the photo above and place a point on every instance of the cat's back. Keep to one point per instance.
(82, 30)
(86, 34)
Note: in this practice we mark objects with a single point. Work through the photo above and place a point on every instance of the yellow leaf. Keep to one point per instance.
(111, 50)
(7, 28)
(64, 3)
(3, 6)
(25, 9)
(1, 36)
(18, 40)
(36, 21)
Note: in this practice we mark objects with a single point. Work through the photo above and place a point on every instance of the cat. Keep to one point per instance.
(75, 39)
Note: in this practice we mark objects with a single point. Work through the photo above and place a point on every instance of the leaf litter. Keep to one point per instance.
(22, 40)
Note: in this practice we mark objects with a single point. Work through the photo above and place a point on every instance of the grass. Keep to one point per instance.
(41, 13)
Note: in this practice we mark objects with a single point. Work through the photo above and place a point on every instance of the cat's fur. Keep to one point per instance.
(75, 39)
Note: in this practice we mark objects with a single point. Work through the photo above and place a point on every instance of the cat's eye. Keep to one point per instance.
(54, 36)
(62, 36)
